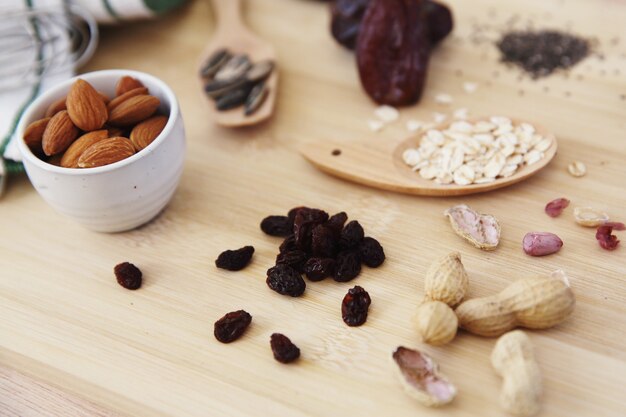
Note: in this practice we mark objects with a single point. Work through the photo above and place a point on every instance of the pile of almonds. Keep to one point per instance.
(87, 130)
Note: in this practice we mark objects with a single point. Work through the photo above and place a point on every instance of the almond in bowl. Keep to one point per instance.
(85, 129)
(106, 148)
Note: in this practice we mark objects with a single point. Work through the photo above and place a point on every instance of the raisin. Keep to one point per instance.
(277, 225)
(439, 18)
(288, 245)
(128, 275)
(347, 266)
(302, 230)
(555, 207)
(295, 259)
(606, 240)
(283, 349)
(393, 49)
(324, 242)
(336, 222)
(346, 20)
(235, 260)
(316, 269)
(354, 306)
(230, 327)
(309, 214)
(285, 280)
(352, 235)
(371, 252)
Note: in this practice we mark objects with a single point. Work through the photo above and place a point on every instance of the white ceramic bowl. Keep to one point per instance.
(119, 196)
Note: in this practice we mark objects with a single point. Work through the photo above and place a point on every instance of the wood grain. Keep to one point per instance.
(150, 352)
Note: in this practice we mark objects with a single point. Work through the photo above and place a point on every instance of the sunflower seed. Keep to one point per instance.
(218, 88)
(215, 62)
(543, 145)
(260, 71)
(465, 175)
(411, 157)
(387, 114)
(236, 67)
(232, 99)
(413, 125)
(256, 98)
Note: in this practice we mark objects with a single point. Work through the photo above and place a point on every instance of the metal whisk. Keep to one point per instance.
(39, 42)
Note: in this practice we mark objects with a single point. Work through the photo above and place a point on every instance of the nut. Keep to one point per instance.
(125, 84)
(123, 97)
(577, 169)
(421, 379)
(481, 230)
(105, 152)
(34, 134)
(86, 107)
(590, 217)
(145, 132)
(446, 280)
(534, 303)
(59, 134)
(436, 322)
(76, 149)
(514, 360)
(134, 110)
(56, 107)
(541, 243)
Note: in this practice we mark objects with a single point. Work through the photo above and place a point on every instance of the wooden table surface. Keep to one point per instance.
(73, 340)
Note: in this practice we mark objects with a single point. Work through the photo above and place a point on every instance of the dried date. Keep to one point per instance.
(346, 16)
(235, 260)
(347, 266)
(371, 252)
(355, 306)
(316, 269)
(285, 280)
(283, 349)
(439, 20)
(230, 327)
(128, 275)
(393, 49)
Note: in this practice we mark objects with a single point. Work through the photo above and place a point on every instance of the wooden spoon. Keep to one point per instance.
(231, 33)
(378, 163)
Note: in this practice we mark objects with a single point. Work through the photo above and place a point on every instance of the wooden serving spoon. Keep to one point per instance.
(231, 33)
(379, 164)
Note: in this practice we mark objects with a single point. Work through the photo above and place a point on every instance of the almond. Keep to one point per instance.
(126, 84)
(34, 133)
(116, 131)
(76, 149)
(86, 107)
(105, 152)
(59, 134)
(103, 96)
(120, 99)
(145, 132)
(56, 107)
(134, 110)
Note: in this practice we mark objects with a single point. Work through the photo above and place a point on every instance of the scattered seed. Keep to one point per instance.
(387, 114)
(443, 98)
(414, 125)
(375, 125)
(439, 117)
(470, 87)
(577, 169)
(336, 152)
(460, 114)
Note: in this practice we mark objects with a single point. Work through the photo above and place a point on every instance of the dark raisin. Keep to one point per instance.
(352, 235)
(371, 252)
(234, 260)
(354, 306)
(292, 213)
(230, 327)
(308, 214)
(302, 230)
(324, 242)
(285, 280)
(283, 349)
(316, 269)
(347, 266)
(128, 275)
(295, 259)
(337, 221)
(288, 245)
(277, 225)
(393, 49)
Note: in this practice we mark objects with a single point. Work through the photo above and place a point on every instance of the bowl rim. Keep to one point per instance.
(36, 105)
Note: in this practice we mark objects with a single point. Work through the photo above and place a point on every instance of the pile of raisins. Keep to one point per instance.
(318, 246)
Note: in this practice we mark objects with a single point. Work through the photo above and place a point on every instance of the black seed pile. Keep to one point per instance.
(540, 53)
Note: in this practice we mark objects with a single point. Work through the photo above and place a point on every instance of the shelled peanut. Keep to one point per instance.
(87, 130)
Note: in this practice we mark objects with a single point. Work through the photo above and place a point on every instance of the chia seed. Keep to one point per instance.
(540, 53)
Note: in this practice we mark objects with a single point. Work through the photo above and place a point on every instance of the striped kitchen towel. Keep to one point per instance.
(25, 68)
